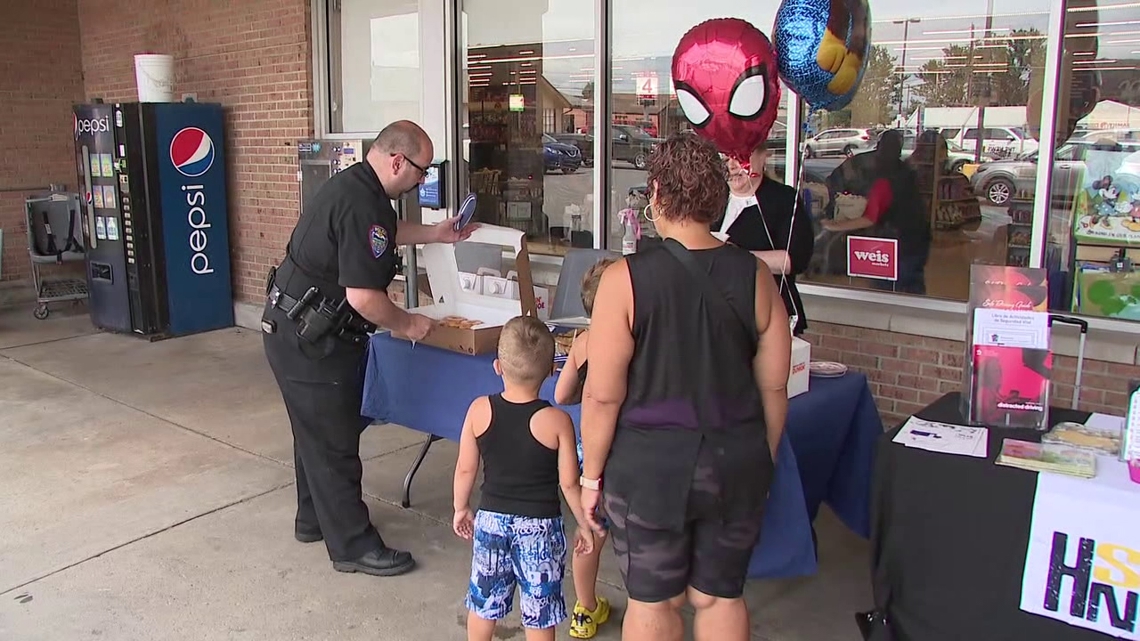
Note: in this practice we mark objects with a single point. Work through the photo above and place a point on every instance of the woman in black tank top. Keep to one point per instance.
(689, 354)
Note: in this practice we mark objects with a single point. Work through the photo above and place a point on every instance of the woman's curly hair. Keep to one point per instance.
(688, 179)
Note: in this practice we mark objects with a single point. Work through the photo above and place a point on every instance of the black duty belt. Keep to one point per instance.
(354, 329)
(282, 301)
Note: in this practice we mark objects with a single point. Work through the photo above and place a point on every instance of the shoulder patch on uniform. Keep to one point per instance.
(378, 240)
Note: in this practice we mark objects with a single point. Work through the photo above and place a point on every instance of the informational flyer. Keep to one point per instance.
(944, 438)
(1011, 328)
(1082, 565)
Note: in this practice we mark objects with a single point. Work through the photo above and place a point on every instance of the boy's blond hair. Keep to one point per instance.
(590, 283)
(526, 350)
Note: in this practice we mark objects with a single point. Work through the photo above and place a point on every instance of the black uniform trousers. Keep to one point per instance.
(323, 386)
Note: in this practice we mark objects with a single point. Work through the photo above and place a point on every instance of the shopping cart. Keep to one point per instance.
(55, 236)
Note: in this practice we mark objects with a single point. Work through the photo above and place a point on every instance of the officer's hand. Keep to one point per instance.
(419, 326)
(445, 231)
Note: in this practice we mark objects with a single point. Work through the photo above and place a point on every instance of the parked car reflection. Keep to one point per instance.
(1002, 180)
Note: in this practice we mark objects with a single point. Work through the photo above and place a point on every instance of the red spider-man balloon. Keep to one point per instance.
(728, 85)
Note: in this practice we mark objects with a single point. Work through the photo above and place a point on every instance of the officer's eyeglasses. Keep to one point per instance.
(423, 170)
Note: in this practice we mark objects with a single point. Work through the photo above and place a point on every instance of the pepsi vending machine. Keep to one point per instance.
(154, 179)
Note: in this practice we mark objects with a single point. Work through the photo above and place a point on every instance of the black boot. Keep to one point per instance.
(383, 561)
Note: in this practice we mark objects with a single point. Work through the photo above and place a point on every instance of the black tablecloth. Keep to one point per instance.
(949, 537)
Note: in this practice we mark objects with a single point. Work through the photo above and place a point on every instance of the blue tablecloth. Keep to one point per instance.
(827, 453)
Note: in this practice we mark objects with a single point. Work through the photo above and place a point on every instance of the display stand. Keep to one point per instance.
(1007, 365)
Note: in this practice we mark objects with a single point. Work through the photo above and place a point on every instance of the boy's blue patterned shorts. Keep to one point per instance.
(523, 551)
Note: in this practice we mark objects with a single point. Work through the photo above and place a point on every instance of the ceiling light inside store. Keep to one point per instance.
(962, 31)
(1119, 23)
(1105, 7)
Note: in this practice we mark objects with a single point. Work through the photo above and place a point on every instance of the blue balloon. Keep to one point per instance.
(822, 47)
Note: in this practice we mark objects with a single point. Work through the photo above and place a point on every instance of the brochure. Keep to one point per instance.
(1011, 385)
(1100, 434)
(1047, 457)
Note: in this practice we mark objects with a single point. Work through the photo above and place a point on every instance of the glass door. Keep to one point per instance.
(525, 117)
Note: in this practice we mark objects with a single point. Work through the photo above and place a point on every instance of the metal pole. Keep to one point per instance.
(603, 144)
(411, 280)
(411, 286)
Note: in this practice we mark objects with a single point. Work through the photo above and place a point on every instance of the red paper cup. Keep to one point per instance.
(1134, 470)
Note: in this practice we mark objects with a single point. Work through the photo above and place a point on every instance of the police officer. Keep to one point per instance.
(324, 298)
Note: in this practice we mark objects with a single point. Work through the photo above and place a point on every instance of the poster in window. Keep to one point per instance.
(1108, 205)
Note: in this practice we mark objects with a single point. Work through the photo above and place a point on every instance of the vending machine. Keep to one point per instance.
(153, 178)
(318, 160)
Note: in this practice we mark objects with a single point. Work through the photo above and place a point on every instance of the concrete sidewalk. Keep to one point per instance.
(147, 493)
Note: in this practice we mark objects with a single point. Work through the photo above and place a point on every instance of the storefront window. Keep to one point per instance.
(527, 115)
(959, 88)
(1093, 232)
(644, 103)
(957, 91)
(374, 64)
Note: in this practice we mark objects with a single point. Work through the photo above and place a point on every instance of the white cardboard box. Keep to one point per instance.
(451, 298)
(799, 376)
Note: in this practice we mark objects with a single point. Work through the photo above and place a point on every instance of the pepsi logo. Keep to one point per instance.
(192, 152)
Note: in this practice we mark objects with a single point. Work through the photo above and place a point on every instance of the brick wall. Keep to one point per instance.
(251, 56)
(39, 81)
(908, 372)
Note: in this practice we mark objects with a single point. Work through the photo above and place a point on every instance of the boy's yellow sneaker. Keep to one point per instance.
(584, 623)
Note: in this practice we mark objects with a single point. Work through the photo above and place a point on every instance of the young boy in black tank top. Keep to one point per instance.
(527, 448)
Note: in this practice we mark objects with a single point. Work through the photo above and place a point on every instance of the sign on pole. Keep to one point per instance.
(646, 86)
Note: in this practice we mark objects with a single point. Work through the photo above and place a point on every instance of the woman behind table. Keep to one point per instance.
(684, 406)
(763, 216)
(896, 208)
(591, 610)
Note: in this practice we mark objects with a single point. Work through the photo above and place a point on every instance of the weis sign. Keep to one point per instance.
(873, 257)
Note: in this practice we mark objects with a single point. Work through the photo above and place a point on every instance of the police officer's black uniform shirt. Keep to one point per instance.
(346, 236)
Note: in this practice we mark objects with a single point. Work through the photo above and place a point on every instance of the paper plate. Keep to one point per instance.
(466, 212)
(827, 369)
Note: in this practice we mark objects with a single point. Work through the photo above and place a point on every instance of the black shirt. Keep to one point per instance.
(778, 202)
(346, 237)
(690, 382)
(520, 475)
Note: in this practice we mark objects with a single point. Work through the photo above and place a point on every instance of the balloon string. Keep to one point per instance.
(802, 154)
